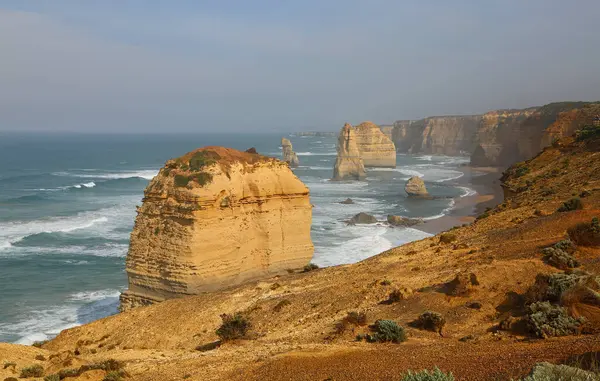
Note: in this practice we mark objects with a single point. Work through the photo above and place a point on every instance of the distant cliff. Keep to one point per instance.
(316, 133)
(496, 138)
(376, 149)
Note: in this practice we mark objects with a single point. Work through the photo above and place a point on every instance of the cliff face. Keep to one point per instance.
(437, 135)
(376, 149)
(214, 218)
(348, 164)
(497, 138)
(289, 156)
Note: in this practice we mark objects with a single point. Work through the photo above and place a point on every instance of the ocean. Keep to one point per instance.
(67, 207)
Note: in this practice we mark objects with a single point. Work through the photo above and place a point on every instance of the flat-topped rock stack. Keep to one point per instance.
(214, 218)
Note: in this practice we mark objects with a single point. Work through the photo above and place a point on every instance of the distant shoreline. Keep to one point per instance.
(466, 209)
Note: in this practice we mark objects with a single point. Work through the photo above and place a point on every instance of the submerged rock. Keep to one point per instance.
(415, 186)
(347, 201)
(214, 218)
(362, 218)
(289, 156)
(403, 221)
(348, 164)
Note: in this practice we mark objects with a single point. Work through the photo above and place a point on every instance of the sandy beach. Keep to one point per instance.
(486, 182)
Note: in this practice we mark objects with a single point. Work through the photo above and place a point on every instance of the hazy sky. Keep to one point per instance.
(191, 65)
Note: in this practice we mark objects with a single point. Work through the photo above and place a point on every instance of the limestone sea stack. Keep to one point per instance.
(376, 149)
(415, 186)
(289, 156)
(348, 165)
(214, 218)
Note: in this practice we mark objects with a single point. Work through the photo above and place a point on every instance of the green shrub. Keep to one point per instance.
(551, 372)
(353, 318)
(32, 371)
(202, 178)
(386, 282)
(114, 375)
(52, 377)
(586, 234)
(11, 379)
(559, 258)
(447, 237)
(181, 181)
(570, 205)
(387, 331)
(547, 320)
(521, 171)
(10, 364)
(234, 327)
(431, 321)
(39, 344)
(202, 159)
(309, 267)
(550, 287)
(424, 375)
(71, 372)
(565, 245)
(587, 132)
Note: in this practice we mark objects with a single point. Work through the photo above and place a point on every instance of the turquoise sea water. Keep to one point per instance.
(67, 206)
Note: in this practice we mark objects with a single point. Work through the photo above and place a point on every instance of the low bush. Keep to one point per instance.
(566, 245)
(39, 344)
(547, 320)
(9, 364)
(70, 372)
(431, 321)
(570, 205)
(587, 132)
(52, 377)
(521, 171)
(387, 331)
(202, 159)
(32, 371)
(447, 238)
(586, 234)
(181, 180)
(114, 375)
(309, 267)
(551, 372)
(559, 258)
(425, 375)
(234, 327)
(550, 287)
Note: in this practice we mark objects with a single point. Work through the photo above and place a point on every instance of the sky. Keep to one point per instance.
(281, 65)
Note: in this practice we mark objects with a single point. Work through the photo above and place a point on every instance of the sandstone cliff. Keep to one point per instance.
(348, 164)
(496, 138)
(437, 135)
(376, 149)
(289, 156)
(214, 218)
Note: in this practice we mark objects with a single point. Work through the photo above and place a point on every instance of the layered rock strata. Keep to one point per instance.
(348, 164)
(376, 149)
(214, 218)
(289, 156)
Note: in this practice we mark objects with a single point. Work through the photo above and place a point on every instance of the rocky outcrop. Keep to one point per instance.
(214, 218)
(437, 135)
(376, 149)
(348, 164)
(362, 218)
(415, 186)
(403, 221)
(289, 156)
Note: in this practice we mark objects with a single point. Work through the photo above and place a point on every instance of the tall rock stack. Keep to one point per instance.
(214, 218)
(348, 165)
(289, 156)
(376, 149)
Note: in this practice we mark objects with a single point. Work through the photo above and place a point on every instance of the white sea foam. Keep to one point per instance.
(467, 192)
(453, 176)
(316, 153)
(103, 221)
(404, 171)
(147, 174)
(79, 308)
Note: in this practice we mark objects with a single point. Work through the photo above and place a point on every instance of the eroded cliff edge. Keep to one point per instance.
(496, 138)
(214, 218)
